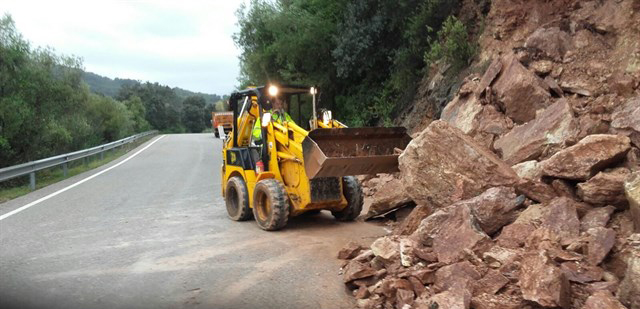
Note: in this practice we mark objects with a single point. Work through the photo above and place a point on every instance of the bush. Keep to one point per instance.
(452, 45)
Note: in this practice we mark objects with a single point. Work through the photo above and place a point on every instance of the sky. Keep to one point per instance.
(179, 43)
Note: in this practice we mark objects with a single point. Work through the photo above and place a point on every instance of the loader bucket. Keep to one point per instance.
(353, 151)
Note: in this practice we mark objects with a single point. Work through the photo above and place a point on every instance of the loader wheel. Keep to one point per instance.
(216, 133)
(270, 205)
(353, 194)
(237, 199)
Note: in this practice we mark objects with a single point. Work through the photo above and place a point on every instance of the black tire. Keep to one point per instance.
(270, 205)
(353, 193)
(216, 133)
(237, 199)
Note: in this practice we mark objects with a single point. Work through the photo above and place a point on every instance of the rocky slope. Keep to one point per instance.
(527, 188)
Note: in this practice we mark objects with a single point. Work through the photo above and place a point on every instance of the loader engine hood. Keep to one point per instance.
(353, 151)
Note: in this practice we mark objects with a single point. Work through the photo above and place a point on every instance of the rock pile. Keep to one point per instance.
(527, 190)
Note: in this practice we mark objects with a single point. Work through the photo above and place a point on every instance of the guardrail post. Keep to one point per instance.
(32, 181)
(65, 169)
(102, 155)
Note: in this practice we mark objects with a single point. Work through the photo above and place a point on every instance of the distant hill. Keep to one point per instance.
(110, 87)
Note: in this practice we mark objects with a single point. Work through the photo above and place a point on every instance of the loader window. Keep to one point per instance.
(300, 109)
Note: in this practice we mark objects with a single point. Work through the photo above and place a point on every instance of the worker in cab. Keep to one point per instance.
(278, 114)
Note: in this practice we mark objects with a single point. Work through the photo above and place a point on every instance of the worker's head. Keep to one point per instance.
(279, 103)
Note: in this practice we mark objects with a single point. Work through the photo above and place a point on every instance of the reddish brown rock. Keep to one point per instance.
(536, 190)
(412, 221)
(601, 240)
(514, 235)
(590, 124)
(560, 216)
(491, 283)
(586, 158)
(580, 272)
(442, 165)
(351, 250)
(630, 285)
(386, 248)
(502, 301)
(404, 298)
(489, 76)
(389, 195)
(632, 161)
(622, 84)
(357, 270)
(494, 208)
(547, 133)
(552, 41)
(458, 233)
(553, 86)
(541, 67)
(632, 192)
(563, 188)
(519, 91)
(498, 256)
(455, 299)
(361, 293)
(462, 275)
(596, 217)
(610, 286)
(602, 300)
(543, 282)
(462, 113)
(626, 120)
(605, 188)
(528, 170)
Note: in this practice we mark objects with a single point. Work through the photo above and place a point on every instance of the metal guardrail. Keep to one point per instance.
(32, 167)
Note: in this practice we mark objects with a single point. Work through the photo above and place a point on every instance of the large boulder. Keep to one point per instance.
(605, 188)
(494, 208)
(632, 191)
(552, 41)
(626, 120)
(547, 133)
(389, 195)
(519, 91)
(451, 231)
(442, 165)
(586, 158)
(543, 282)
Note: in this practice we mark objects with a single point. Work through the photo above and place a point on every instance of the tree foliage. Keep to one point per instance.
(46, 108)
(193, 113)
(366, 56)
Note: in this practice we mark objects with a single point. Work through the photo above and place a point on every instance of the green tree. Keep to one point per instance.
(452, 45)
(193, 113)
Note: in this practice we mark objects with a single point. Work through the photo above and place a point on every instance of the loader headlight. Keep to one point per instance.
(273, 90)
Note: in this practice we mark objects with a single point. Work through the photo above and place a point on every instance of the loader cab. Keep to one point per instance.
(251, 104)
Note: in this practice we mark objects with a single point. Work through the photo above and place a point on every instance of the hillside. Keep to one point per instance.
(111, 87)
(521, 186)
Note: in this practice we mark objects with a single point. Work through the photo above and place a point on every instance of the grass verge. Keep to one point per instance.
(20, 186)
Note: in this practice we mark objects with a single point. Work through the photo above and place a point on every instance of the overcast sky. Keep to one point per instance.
(179, 43)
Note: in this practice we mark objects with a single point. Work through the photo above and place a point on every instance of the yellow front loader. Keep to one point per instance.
(291, 170)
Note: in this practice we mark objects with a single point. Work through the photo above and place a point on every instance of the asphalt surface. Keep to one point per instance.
(153, 233)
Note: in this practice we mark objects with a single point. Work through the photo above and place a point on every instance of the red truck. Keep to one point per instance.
(224, 119)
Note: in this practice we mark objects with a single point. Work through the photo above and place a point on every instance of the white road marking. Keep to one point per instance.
(15, 211)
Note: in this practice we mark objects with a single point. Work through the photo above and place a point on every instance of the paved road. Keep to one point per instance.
(153, 233)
